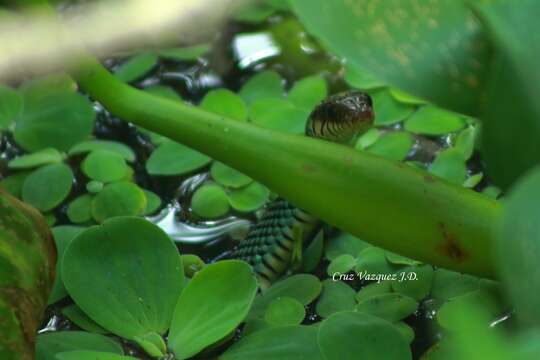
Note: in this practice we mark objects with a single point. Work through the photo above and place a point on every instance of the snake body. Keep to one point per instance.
(274, 243)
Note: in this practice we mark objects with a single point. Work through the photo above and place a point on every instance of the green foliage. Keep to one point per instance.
(91, 355)
(10, 106)
(210, 201)
(285, 311)
(48, 186)
(227, 176)
(172, 158)
(42, 157)
(389, 110)
(249, 198)
(113, 146)
(225, 102)
(48, 345)
(136, 67)
(104, 166)
(266, 84)
(185, 53)
(336, 296)
(431, 120)
(118, 199)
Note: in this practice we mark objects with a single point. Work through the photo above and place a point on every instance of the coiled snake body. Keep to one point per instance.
(274, 244)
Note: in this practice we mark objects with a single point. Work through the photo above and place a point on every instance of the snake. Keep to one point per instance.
(274, 244)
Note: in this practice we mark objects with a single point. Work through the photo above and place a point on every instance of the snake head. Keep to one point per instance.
(341, 117)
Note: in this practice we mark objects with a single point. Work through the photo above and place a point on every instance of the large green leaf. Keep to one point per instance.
(126, 274)
(518, 252)
(211, 306)
(430, 48)
(511, 115)
(283, 343)
(48, 186)
(350, 335)
(171, 158)
(50, 344)
(27, 259)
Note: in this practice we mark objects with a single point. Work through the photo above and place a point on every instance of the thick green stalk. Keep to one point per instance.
(388, 204)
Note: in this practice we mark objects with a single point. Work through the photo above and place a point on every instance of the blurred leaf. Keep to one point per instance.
(118, 199)
(185, 53)
(226, 103)
(308, 92)
(126, 275)
(172, 158)
(313, 253)
(52, 343)
(91, 145)
(361, 79)
(285, 311)
(430, 120)
(344, 243)
(266, 84)
(336, 296)
(210, 201)
(341, 264)
(447, 284)
(13, 184)
(450, 165)
(278, 114)
(430, 49)
(163, 91)
(388, 110)
(91, 355)
(227, 176)
(153, 202)
(104, 166)
(394, 145)
(10, 106)
(368, 138)
(392, 306)
(418, 288)
(136, 67)
(79, 318)
(406, 98)
(372, 289)
(79, 210)
(94, 186)
(466, 140)
(42, 157)
(56, 178)
(210, 308)
(249, 198)
(353, 336)
(372, 260)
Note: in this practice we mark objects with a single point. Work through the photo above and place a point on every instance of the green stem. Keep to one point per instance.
(388, 204)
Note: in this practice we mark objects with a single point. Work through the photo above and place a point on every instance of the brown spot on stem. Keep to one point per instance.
(450, 246)
(429, 178)
(308, 168)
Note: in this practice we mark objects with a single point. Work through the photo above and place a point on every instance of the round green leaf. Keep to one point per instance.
(431, 120)
(394, 145)
(336, 296)
(79, 210)
(392, 306)
(448, 284)
(308, 92)
(62, 236)
(172, 158)
(249, 198)
(418, 288)
(210, 201)
(372, 260)
(450, 165)
(359, 78)
(79, 318)
(405, 97)
(10, 106)
(210, 308)
(42, 157)
(283, 343)
(278, 114)
(104, 166)
(373, 289)
(126, 275)
(118, 199)
(91, 355)
(266, 84)
(163, 91)
(302, 287)
(344, 243)
(94, 186)
(349, 335)
(341, 264)
(227, 176)
(368, 138)
(153, 202)
(466, 140)
(91, 145)
(285, 311)
(14, 183)
(58, 120)
(226, 103)
(52, 343)
(185, 53)
(48, 186)
(406, 331)
(136, 67)
(389, 110)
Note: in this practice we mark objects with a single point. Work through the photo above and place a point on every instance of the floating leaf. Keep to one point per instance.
(79, 210)
(10, 106)
(13, 183)
(278, 114)
(153, 202)
(79, 318)
(405, 97)
(313, 253)
(249, 198)
(285, 311)
(266, 84)
(389, 110)
(336, 296)
(361, 79)
(349, 335)
(163, 91)
(113, 146)
(473, 180)
(308, 92)
(94, 186)
(447, 284)
(47, 186)
(372, 260)
(431, 120)
(118, 199)
(419, 286)
(394, 145)
(399, 259)
(42, 157)
(104, 166)
(392, 306)
(91, 355)
(341, 264)
(283, 343)
(136, 67)
(373, 289)
(55, 120)
(406, 331)
(172, 158)
(210, 201)
(368, 138)
(227, 176)
(226, 103)
(210, 308)
(126, 275)
(52, 343)
(185, 53)
(302, 287)
(465, 141)
(344, 243)
(450, 165)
